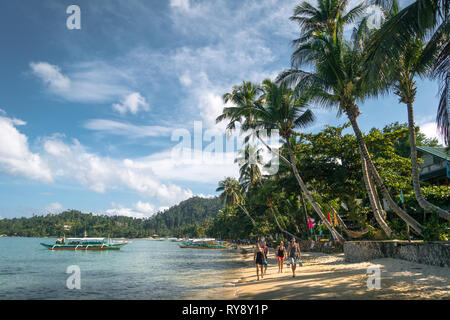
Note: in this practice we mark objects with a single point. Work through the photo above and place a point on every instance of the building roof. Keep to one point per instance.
(435, 151)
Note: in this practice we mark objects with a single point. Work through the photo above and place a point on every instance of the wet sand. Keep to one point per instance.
(328, 276)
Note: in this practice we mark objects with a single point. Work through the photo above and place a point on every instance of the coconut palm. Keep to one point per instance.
(337, 81)
(284, 112)
(327, 18)
(416, 59)
(249, 160)
(422, 18)
(232, 193)
(249, 116)
(244, 99)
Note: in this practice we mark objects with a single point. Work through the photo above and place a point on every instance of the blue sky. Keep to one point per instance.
(87, 116)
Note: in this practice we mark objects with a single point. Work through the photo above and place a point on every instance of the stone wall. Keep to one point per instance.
(432, 253)
(320, 246)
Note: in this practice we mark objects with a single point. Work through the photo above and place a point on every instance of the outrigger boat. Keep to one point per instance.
(86, 244)
(203, 244)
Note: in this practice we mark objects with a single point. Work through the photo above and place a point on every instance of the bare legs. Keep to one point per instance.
(293, 266)
(280, 265)
(258, 268)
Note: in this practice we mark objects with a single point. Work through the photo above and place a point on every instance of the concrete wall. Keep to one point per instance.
(432, 253)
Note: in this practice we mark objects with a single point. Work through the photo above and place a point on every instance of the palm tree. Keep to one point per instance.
(250, 177)
(233, 195)
(284, 112)
(337, 81)
(249, 115)
(249, 161)
(416, 59)
(245, 104)
(327, 18)
(419, 19)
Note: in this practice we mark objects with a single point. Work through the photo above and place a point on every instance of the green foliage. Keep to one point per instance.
(190, 218)
(435, 230)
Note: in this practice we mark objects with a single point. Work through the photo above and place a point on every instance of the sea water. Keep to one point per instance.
(143, 269)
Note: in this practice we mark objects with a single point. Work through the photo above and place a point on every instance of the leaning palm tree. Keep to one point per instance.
(420, 19)
(337, 81)
(284, 112)
(249, 114)
(232, 193)
(416, 59)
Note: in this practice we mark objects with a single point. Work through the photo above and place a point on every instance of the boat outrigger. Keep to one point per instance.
(86, 244)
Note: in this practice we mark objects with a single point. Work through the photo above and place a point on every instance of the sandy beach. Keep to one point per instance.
(328, 276)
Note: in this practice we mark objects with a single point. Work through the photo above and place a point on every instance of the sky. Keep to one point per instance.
(118, 117)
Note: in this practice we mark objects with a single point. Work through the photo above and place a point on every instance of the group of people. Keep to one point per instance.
(261, 255)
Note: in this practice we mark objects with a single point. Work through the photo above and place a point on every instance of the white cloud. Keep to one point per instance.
(100, 174)
(139, 210)
(190, 165)
(429, 129)
(145, 207)
(52, 76)
(132, 103)
(15, 155)
(126, 129)
(54, 207)
(181, 4)
(88, 82)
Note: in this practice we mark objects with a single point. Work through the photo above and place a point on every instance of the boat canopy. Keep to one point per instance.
(86, 239)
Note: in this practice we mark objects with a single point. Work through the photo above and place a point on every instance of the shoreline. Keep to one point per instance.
(328, 276)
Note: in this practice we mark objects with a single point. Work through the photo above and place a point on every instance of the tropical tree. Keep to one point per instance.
(254, 115)
(232, 193)
(284, 112)
(337, 81)
(416, 59)
(420, 19)
(327, 18)
(249, 160)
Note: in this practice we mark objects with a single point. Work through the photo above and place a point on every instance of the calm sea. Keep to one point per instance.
(141, 270)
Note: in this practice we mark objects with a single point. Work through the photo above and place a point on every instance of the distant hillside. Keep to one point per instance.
(73, 223)
(188, 212)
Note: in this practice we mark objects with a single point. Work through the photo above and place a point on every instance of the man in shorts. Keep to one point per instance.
(294, 255)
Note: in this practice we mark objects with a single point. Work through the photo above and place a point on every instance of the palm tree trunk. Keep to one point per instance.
(303, 188)
(248, 215)
(373, 199)
(308, 196)
(279, 227)
(427, 206)
(365, 153)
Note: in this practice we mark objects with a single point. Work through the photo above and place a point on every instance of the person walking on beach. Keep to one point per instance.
(281, 254)
(259, 260)
(266, 255)
(294, 255)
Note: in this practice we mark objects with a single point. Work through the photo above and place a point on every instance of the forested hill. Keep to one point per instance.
(73, 223)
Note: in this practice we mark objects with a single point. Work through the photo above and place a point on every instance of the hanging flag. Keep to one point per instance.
(336, 223)
(329, 220)
(402, 198)
(310, 225)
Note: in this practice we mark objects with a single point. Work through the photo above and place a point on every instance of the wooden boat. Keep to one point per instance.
(203, 244)
(86, 244)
